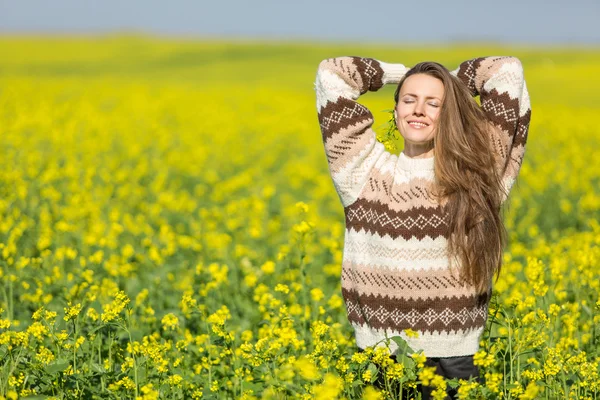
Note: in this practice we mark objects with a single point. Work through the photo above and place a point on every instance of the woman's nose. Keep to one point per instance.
(418, 109)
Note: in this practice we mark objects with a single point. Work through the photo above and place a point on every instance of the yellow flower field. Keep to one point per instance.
(169, 228)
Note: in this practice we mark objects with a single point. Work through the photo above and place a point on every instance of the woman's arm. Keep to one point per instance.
(500, 83)
(350, 143)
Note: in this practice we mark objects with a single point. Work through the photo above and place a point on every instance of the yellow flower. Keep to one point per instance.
(175, 380)
(71, 312)
(247, 336)
(268, 267)
(37, 330)
(329, 389)
(250, 279)
(303, 227)
(148, 393)
(419, 358)
(306, 368)
(319, 328)
(335, 301)
(44, 355)
(4, 323)
(483, 359)
(426, 375)
(12, 395)
(553, 310)
(493, 380)
(316, 294)
(92, 314)
(170, 322)
(370, 393)
(395, 371)
(359, 358)
(282, 288)
(302, 207)
(411, 334)
(112, 310)
(465, 389)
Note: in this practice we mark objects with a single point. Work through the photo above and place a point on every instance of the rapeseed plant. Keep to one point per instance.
(169, 230)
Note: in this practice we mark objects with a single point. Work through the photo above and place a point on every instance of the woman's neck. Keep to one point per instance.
(418, 150)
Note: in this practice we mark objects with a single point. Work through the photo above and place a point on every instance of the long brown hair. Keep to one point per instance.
(466, 179)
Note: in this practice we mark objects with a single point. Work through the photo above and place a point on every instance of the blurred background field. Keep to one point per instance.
(169, 228)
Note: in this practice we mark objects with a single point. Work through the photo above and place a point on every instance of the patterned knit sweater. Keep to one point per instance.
(396, 273)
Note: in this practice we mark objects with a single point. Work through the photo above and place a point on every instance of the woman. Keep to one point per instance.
(424, 235)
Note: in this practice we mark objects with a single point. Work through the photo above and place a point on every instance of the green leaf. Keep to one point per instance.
(453, 383)
(136, 334)
(357, 383)
(97, 368)
(256, 387)
(57, 366)
(402, 344)
(408, 362)
(374, 371)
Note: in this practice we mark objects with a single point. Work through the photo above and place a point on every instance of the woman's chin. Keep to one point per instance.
(418, 140)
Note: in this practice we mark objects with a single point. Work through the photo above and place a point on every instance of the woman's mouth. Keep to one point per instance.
(418, 125)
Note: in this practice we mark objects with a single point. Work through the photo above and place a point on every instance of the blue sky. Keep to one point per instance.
(417, 21)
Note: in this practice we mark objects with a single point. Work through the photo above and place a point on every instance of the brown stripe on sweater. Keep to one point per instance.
(375, 217)
(468, 72)
(521, 137)
(399, 196)
(403, 284)
(341, 114)
(439, 314)
(502, 110)
(349, 71)
(369, 68)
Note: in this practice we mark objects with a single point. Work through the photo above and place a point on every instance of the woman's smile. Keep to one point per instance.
(418, 124)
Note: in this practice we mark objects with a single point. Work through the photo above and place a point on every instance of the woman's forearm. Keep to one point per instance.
(350, 143)
(500, 83)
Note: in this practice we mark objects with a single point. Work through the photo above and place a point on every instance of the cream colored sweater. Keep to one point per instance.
(395, 269)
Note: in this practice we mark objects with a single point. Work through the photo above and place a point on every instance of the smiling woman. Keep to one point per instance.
(424, 235)
(416, 113)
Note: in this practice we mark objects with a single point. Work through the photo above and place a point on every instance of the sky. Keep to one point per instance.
(544, 22)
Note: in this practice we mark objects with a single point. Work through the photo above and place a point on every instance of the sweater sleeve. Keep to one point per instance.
(350, 143)
(500, 83)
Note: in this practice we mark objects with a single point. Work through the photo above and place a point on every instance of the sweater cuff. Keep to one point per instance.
(392, 73)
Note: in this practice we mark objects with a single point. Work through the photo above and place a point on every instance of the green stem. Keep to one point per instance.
(76, 333)
(510, 356)
(135, 372)
(10, 300)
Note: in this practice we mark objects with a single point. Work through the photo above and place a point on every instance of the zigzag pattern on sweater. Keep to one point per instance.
(381, 251)
(383, 219)
(369, 68)
(335, 117)
(381, 316)
(400, 283)
(507, 114)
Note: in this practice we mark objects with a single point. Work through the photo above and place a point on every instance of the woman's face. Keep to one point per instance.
(418, 108)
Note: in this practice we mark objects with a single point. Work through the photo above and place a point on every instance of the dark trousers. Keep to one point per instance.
(448, 367)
